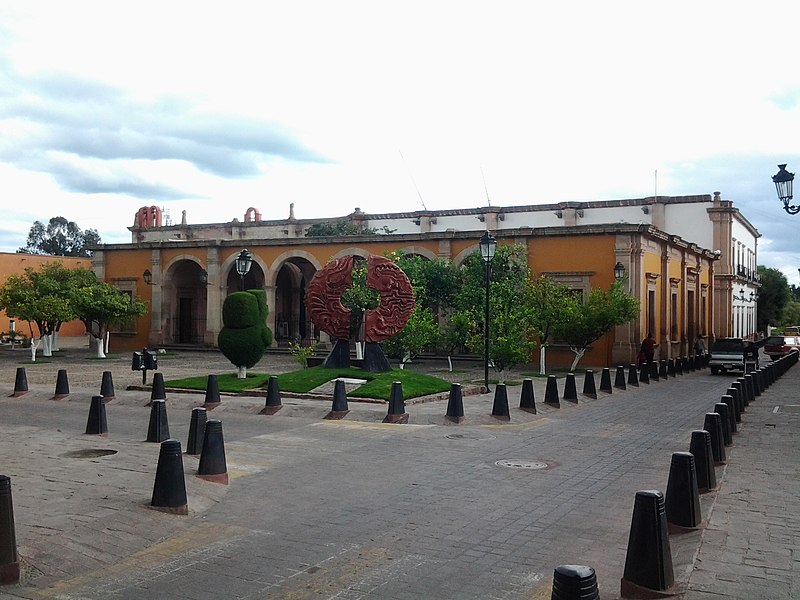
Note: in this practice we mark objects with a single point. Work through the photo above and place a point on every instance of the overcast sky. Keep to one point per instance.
(215, 107)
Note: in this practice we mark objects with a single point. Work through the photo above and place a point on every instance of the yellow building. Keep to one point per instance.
(191, 267)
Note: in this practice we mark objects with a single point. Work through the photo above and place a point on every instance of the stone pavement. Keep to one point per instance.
(360, 509)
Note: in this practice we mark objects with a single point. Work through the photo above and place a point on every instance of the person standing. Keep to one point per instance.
(648, 350)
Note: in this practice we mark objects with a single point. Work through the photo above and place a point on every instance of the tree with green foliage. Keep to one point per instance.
(455, 332)
(245, 335)
(101, 305)
(419, 334)
(60, 237)
(791, 313)
(359, 298)
(552, 305)
(773, 296)
(592, 320)
(344, 227)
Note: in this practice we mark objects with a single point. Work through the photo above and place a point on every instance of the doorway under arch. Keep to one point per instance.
(291, 320)
(185, 299)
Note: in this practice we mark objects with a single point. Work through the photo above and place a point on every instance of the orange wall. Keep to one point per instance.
(15, 264)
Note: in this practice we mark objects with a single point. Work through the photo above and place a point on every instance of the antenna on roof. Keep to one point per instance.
(485, 189)
(656, 183)
(411, 176)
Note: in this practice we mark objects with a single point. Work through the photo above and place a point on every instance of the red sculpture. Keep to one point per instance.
(324, 298)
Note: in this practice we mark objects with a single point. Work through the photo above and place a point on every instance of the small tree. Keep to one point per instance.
(455, 333)
(552, 304)
(245, 335)
(595, 318)
(420, 333)
(773, 296)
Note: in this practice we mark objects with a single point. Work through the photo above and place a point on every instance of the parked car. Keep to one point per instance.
(733, 354)
(780, 345)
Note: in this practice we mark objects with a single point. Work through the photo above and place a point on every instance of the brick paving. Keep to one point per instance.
(357, 509)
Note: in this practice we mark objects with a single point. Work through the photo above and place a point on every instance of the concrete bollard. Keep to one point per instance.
(713, 425)
(62, 385)
(158, 429)
(570, 389)
(733, 392)
(746, 391)
(169, 488)
(700, 447)
(574, 582)
(662, 368)
(97, 424)
(738, 396)
(397, 406)
(644, 373)
(682, 501)
(9, 558)
(671, 368)
(107, 387)
(633, 376)
(679, 365)
(619, 378)
(589, 389)
(722, 410)
(212, 465)
(20, 383)
(648, 562)
(197, 431)
(551, 392)
(455, 404)
(728, 400)
(211, 399)
(273, 403)
(653, 371)
(339, 408)
(527, 401)
(500, 405)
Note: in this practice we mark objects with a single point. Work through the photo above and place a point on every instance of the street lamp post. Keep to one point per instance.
(243, 263)
(619, 271)
(487, 245)
(783, 181)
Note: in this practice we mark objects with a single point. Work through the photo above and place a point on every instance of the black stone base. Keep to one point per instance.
(339, 356)
(375, 360)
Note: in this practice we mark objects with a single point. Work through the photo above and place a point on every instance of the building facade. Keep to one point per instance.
(686, 259)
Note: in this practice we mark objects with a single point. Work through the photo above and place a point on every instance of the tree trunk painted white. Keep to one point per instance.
(107, 342)
(34, 345)
(47, 345)
(542, 368)
(450, 362)
(359, 350)
(241, 373)
(98, 346)
(578, 356)
(55, 347)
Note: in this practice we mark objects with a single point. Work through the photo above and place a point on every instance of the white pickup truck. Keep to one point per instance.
(733, 354)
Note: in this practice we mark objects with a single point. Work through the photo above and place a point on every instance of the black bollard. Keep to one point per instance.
(605, 381)
(745, 388)
(158, 430)
(644, 373)
(619, 378)
(653, 371)
(671, 368)
(574, 582)
(107, 387)
(700, 446)
(738, 396)
(96, 424)
(455, 404)
(527, 401)
(733, 392)
(589, 389)
(648, 562)
(20, 383)
(197, 431)
(679, 365)
(713, 425)
(9, 558)
(570, 390)
(62, 385)
(728, 400)
(397, 406)
(722, 410)
(500, 406)
(169, 488)
(662, 368)
(212, 465)
(751, 386)
(339, 408)
(682, 501)
(157, 392)
(551, 392)
(633, 376)
(273, 403)
(212, 399)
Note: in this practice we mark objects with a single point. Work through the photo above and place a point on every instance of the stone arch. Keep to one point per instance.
(252, 214)
(459, 258)
(255, 280)
(148, 216)
(184, 301)
(355, 251)
(292, 272)
(419, 251)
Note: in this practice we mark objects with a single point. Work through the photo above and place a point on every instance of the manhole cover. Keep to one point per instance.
(89, 453)
(469, 436)
(531, 465)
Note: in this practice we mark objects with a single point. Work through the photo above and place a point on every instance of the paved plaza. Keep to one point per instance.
(357, 508)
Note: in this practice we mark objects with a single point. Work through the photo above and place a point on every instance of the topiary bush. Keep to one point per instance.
(245, 335)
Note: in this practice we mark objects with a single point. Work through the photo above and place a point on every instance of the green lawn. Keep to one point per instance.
(379, 385)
